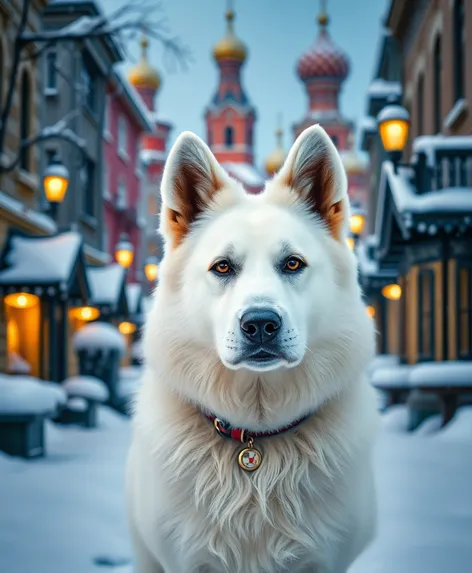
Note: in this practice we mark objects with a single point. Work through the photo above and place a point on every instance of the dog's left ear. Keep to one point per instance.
(191, 178)
(314, 170)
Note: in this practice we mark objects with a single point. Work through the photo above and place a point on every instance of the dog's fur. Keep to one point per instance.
(310, 507)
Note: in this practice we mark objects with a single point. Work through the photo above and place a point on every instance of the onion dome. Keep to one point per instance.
(143, 75)
(276, 159)
(324, 59)
(230, 47)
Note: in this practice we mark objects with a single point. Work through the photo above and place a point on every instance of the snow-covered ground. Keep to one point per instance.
(66, 513)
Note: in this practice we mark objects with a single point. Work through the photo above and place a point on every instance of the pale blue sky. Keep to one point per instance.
(276, 33)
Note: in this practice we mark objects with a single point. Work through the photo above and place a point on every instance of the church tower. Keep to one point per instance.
(230, 117)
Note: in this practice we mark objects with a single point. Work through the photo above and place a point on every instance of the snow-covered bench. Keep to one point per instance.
(449, 381)
(84, 394)
(25, 402)
(393, 381)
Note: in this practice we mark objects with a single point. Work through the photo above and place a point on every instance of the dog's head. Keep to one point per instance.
(259, 283)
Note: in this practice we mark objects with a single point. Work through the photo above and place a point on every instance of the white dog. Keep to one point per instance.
(254, 427)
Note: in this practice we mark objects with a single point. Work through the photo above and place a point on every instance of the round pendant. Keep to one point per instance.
(250, 459)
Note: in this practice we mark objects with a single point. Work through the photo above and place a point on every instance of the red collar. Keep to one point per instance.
(225, 429)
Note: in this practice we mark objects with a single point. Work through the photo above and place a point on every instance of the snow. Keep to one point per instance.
(429, 144)
(133, 295)
(136, 100)
(368, 123)
(382, 360)
(456, 111)
(430, 426)
(395, 419)
(25, 395)
(106, 283)
(380, 88)
(448, 373)
(41, 260)
(460, 427)
(392, 376)
(246, 173)
(390, 112)
(160, 118)
(147, 156)
(39, 220)
(100, 256)
(17, 364)
(99, 335)
(87, 387)
(77, 404)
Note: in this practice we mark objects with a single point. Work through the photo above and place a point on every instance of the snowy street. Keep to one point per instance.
(65, 513)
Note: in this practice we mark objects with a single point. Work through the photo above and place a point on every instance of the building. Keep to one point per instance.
(153, 149)
(126, 120)
(75, 87)
(422, 234)
(322, 69)
(230, 117)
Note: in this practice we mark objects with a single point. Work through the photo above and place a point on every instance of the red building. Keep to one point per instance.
(126, 118)
(323, 69)
(147, 81)
(230, 117)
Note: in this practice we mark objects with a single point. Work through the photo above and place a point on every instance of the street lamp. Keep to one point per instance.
(127, 327)
(357, 222)
(124, 252)
(55, 182)
(151, 269)
(85, 313)
(394, 125)
(21, 300)
(392, 291)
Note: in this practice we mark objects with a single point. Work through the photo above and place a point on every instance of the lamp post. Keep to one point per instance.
(394, 125)
(151, 269)
(55, 182)
(124, 252)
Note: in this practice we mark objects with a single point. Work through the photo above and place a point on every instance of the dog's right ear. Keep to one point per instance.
(191, 178)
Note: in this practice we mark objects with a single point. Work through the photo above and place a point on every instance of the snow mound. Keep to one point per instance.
(395, 419)
(77, 405)
(381, 361)
(111, 419)
(430, 426)
(25, 395)
(460, 427)
(391, 376)
(17, 364)
(448, 373)
(86, 387)
(99, 336)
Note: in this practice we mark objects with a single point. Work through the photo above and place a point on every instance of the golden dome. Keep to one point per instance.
(143, 75)
(276, 159)
(230, 47)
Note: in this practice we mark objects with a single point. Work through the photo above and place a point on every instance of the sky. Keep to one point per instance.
(276, 33)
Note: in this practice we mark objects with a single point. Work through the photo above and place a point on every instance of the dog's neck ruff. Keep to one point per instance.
(226, 430)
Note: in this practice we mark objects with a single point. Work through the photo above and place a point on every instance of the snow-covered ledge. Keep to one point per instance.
(450, 374)
(392, 377)
(456, 112)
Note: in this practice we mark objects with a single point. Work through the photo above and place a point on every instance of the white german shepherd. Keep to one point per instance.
(254, 427)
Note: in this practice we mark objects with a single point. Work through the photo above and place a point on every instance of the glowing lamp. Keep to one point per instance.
(127, 327)
(124, 252)
(392, 291)
(370, 311)
(350, 243)
(85, 313)
(150, 269)
(55, 181)
(394, 124)
(21, 300)
(357, 223)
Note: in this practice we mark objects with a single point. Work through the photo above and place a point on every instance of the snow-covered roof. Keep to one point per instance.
(430, 144)
(39, 220)
(134, 292)
(380, 88)
(147, 156)
(99, 336)
(138, 106)
(88, 387)
(368, 123)
(106, 283)
(449, 373)
(47, 260)
(20, 395)
(159, 117)
(246, 173)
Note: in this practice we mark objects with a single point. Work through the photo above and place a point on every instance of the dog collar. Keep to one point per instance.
(250, 458)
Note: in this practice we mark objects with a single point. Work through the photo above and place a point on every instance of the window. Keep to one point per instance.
(51, 70)
(122, 195)
(89, 87)
(25, 120)
(87, 175)
(106, 120)
(229, 136)
(458, 39)
(122, 136)
(420, 104)
(437, 72)
(426, 314)
(105, 181)
(464, 314)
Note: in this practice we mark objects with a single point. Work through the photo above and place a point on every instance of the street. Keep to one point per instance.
(66, 512)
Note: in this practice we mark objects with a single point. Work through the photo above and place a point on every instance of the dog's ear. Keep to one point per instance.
(191, 178)
(314, 170)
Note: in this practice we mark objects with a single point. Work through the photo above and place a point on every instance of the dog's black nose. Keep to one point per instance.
(260, 324)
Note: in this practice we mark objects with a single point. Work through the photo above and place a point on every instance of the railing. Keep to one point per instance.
(441, 162)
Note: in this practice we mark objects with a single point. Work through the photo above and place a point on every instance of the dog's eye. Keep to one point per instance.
(294, 264)
(221, 267)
